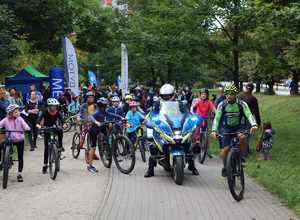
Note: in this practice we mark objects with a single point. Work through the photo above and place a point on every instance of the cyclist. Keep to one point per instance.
(13, 121)
(51, 117)
(125, 107)
(202, 107)
(98, 119)
(87, 109)
(115, 108)
(229, 119)
(74, 106)
(135, 118)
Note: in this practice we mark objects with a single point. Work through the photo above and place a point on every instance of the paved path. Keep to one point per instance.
(76, 194)
(203, 197)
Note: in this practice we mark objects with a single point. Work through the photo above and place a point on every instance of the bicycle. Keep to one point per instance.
(79, 139)
(116, 146)
(203, 144)
(7, 160)
(235, 166)
(54, 151)
(140, 143)
(70, 121)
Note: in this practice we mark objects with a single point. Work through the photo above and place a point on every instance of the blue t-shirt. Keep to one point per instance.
(134, 119)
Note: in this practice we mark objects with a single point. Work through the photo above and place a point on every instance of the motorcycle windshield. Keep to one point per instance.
(170, 113)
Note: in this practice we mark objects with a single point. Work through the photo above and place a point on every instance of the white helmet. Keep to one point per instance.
(52, 101)
(12, 107)
(166, 92)
(115, 99)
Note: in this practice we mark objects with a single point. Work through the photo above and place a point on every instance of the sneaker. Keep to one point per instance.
(224, 172)
(92, 169)
(20, 178)
(45, 168)
(149, 173)
(32, 149)
(193, 170)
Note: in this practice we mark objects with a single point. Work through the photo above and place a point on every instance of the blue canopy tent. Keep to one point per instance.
(22, 80)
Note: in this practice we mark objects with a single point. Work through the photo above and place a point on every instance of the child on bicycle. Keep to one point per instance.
(12, 122)
(135, 119)
(51, 116)
(115, 107)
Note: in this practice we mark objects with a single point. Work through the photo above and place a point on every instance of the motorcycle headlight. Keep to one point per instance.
(178, 138)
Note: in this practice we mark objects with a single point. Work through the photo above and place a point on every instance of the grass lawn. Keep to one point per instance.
(281, 175)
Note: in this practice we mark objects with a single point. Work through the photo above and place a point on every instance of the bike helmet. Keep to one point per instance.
(90, 94)
(204, 90)
(133, 104)
(128, 97)
(102, 102)
(52, 101)
(12, 107)
(231, 89)
(115, 99)
(166, 92)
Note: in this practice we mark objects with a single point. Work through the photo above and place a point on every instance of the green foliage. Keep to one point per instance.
(8, 37)
(281, 174)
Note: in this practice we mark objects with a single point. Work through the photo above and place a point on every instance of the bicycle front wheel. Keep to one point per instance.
(76, 145)
(104, 150)
(141, 146)
(6, 165)
(123, 154)
(203, 147)
(235, 175)
(53, 161)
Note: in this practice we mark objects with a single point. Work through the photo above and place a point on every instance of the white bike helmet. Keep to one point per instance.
(12, 107)
(115, 99)
(52, 102)
(166, 92)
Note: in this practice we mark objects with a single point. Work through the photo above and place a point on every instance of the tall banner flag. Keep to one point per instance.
(92, 78)
(124, 68)
(56, 81)
(71, 66)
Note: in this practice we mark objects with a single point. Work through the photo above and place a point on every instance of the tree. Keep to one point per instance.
(8, 37)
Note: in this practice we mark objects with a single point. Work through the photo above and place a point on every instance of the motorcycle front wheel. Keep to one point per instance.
(178, 170)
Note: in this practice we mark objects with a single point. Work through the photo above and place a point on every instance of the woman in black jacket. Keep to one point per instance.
(32, 109)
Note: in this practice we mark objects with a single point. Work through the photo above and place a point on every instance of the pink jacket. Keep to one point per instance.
(17, 124)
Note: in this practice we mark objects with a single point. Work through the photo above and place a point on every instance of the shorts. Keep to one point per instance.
(93, 133)
(226, 139)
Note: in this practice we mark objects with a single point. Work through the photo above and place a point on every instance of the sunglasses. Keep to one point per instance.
(230, 93)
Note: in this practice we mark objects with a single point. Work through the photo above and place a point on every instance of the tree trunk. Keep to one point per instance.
(258, 85)
(270, 90)
(294, 84)
(153, 78)
(241, 86)
(169, 73)
(235, 51)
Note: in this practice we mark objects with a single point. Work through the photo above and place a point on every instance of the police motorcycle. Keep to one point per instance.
(172, 137)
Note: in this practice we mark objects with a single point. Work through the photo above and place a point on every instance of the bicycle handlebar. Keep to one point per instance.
(52, 128)
(9, 131)
(234, 133)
